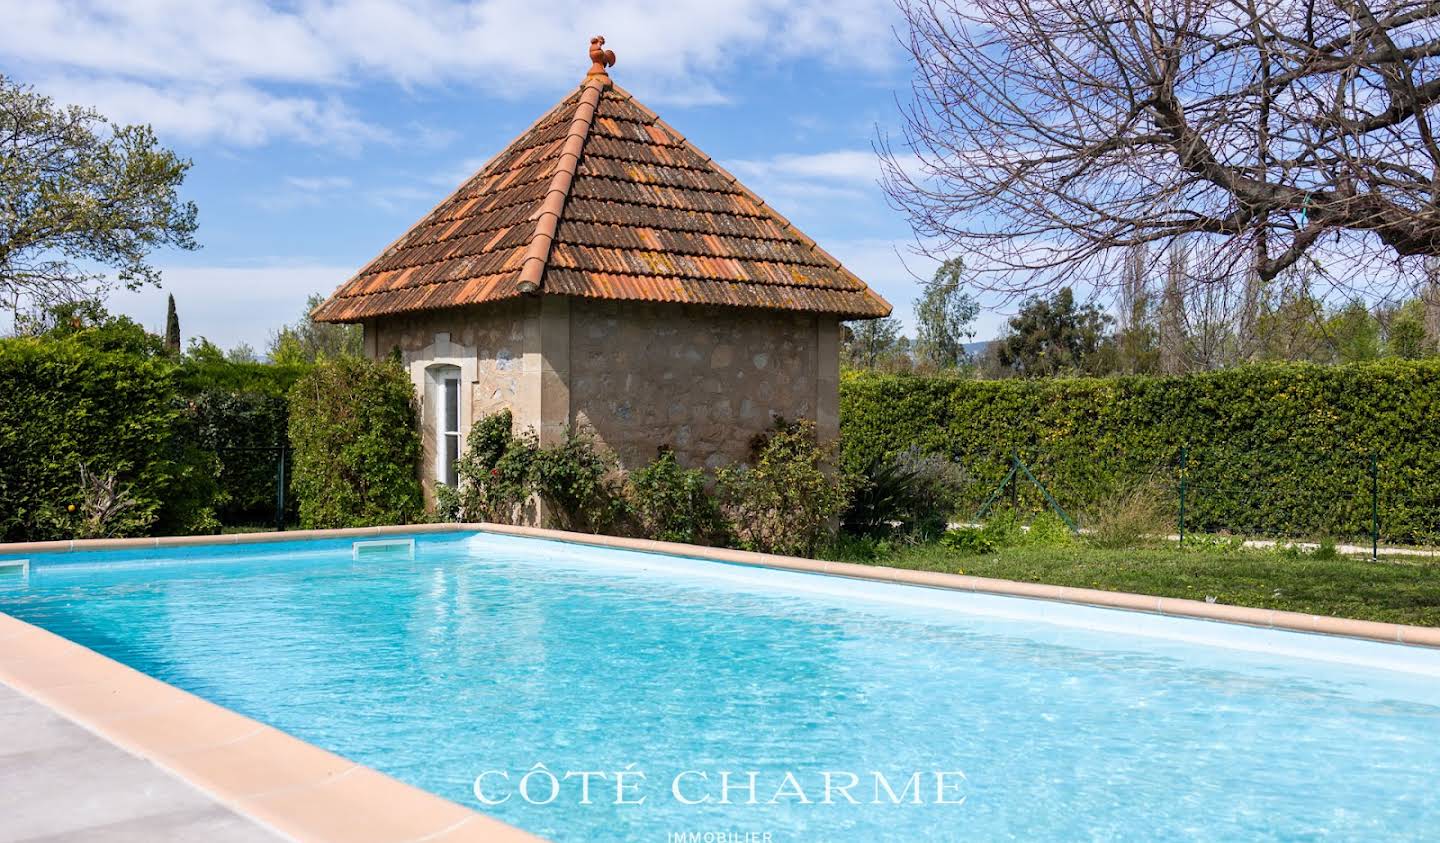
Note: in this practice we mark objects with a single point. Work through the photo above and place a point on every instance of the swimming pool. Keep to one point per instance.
(488, 655)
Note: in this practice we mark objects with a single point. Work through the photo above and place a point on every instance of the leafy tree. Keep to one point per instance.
(1053, 335)
(943, 315)
(90, 324)
(1354, 334)
(869, 342)
(1407, 338)
(80, 192)
(242, 353)
(172, 327)
(308, 341)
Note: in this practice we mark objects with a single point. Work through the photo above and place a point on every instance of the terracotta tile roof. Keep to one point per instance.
(600, 198)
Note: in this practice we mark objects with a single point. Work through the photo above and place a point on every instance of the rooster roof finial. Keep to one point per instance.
(601, 57)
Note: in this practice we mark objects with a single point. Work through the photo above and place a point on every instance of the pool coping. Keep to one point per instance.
(1392, 633)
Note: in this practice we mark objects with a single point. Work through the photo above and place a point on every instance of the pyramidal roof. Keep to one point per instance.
(601, 199)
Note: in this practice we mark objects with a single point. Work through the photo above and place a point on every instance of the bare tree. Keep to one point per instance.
(1052, 135)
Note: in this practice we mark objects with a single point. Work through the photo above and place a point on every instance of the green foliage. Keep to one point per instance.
(1133, 517)
(579, 482)
(1276, 449)
(787, 498)
(308, 341)
(971, 541)
(81, 193)
(502, 472)
(356, 445)
(495, 471)
(235, 410)
(1054, 335)
(69, 408)
(448, 506)
(1407, 338)
(911, 495)
(944, 315)
(869, 343)
(670, 503)
(86, 323)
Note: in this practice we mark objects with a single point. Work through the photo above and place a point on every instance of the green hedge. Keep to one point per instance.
(356, 439)
(239, 411)
(65, 405)
(1278, 449)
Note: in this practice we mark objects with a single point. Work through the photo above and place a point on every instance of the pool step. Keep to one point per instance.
(376, 546)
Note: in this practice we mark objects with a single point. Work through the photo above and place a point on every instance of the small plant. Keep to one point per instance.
(1004, 530)
(447, 503)
(911, 495)
(1131, 518)
(670, 503)
(107, 508)
(787, 499)
(495, 472)
(971, 541)
(1048, 530)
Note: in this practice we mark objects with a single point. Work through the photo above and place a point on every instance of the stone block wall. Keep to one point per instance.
(703, 380)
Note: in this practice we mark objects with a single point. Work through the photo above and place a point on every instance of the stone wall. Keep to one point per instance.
(703, 380)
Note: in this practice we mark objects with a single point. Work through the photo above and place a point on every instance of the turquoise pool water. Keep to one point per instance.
(489, 653)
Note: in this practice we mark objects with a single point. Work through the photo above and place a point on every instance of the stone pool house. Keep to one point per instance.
(603, 273)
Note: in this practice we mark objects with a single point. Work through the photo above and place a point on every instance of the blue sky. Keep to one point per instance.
(321, 129)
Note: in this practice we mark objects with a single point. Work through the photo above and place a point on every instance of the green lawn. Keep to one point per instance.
(1396, 590)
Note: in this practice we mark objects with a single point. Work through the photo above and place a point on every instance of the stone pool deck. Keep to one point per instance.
(60, 782)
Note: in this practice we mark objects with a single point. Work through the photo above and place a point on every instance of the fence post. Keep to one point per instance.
(1184, 462)
(1375, 507)
(280, 488)
(1015, 486)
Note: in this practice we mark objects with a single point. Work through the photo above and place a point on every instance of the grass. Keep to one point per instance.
(1399, 590)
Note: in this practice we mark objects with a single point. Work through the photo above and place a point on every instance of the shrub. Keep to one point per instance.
(1132, 518)
(1277, 449)
(968, 540)
(356, 445)
(580, 483)
(501, 473)
(70, 405)
(787, 499)
(670, 503)
(495, 473)
(911, 495)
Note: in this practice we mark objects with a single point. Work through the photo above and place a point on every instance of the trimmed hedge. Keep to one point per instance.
(1277, 449)
(356, 441)
(66, 404)
(236, 410)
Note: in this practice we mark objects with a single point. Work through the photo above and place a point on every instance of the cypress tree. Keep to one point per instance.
(172, 327)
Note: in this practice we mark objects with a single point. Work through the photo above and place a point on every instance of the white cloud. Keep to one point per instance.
(236, 114)
(229, 305)
(211, 68)
(850, 174)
